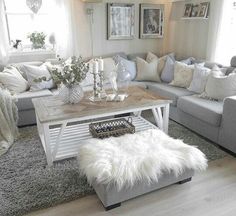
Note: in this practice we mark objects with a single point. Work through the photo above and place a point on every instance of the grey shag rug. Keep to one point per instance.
(27, 184)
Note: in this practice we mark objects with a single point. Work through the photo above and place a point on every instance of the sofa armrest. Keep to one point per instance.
(227, 134)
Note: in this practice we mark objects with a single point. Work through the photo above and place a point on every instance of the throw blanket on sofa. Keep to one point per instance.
(143, 156)
(8, 120)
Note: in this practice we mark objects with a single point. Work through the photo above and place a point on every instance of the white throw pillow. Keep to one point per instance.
(200, 76)
(220, 86)
(183, 75)
(147, 71)
(150, 57)
(12, 79)
(34, 72)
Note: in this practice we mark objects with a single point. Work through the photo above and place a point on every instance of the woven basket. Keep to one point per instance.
(115, 128)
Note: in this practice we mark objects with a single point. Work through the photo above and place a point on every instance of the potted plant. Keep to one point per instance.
(37, 39)
(68, 76)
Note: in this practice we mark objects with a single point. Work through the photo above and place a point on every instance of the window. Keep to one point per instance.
(21, 21)
(226, 47)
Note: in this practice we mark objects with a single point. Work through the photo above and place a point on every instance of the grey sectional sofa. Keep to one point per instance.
(211, 119)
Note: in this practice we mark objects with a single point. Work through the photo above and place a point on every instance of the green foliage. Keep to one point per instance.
(37, 39)
(70, 72)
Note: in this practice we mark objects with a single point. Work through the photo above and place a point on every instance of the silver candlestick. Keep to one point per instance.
(101, 85)
(96, 88)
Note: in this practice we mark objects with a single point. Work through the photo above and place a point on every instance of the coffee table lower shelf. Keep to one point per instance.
(65, 143)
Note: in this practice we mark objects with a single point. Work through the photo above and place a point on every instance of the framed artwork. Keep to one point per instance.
(195, 10)
(187, 10)
(120, 21)
(203, 9)
(151, 21)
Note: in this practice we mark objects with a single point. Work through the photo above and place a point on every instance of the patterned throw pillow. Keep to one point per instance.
(183, 75)
(34, 72)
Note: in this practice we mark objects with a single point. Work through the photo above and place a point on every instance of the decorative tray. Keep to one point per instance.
(115, 128)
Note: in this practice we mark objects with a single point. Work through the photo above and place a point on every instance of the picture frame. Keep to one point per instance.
(151, 21)
(187, 10)
(203, 9)
(195, 10)
(120, 21)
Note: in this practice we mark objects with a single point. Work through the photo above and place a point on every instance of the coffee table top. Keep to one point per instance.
(51, 108)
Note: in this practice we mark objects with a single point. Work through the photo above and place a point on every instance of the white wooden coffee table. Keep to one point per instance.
(62, 127)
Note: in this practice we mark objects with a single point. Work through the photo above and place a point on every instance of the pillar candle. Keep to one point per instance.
(95, 67)
(100, 64)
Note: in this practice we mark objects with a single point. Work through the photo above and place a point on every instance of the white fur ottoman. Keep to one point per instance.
(124, 167)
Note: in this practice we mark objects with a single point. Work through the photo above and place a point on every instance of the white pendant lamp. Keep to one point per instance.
(34, 5)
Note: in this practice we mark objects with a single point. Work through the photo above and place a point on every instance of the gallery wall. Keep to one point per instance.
(104, 46)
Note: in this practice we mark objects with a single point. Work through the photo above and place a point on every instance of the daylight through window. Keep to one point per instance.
(22, 22)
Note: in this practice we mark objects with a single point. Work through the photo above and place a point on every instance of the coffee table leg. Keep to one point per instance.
(43, 131)
(166, 118)
(162, 117)
(158, 117)
(46, 140)
(138, 113)
(58, 140)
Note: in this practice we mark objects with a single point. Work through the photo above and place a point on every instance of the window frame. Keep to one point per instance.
(25, 50)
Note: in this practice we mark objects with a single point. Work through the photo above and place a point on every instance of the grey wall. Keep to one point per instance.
(104, 46)
(187, 37)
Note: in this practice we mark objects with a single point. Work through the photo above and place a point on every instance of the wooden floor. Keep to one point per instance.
(212, 193)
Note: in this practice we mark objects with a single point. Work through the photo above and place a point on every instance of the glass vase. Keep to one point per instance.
(123, 78)
(71, 94)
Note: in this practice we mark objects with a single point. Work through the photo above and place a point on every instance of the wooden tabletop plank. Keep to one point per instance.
(51, 108)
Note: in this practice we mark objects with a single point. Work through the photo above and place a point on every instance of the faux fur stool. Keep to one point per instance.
(124, 167)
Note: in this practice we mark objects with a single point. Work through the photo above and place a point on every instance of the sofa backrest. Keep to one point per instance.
(232, 65)
(20, 65)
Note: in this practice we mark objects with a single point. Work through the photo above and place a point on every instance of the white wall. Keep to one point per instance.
(104, 46)
(187, 37)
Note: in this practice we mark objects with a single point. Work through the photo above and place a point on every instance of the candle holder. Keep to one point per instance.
(96, 88)
(101, 85)
(97, 67)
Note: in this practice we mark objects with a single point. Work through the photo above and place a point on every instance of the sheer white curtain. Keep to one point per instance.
(65, 22)
(4, 42)
(222, 32)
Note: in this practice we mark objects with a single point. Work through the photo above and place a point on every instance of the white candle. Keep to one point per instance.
(100, 64)
(95, 67)
(91, 66)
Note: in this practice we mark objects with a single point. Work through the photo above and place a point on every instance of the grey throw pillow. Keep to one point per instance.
(188, 61)
(168, 71)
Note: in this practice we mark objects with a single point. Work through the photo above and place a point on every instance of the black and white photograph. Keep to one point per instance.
(203, 9)
(151, 21)
(187, 10)
(195, 10)
(120, 19)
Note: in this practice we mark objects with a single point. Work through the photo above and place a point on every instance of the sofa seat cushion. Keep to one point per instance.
(167, 91)
(25, 99)
(206, 110)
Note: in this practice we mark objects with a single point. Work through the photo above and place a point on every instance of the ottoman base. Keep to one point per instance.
(112, 198)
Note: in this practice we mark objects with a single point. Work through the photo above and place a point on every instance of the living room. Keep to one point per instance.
(117, 107)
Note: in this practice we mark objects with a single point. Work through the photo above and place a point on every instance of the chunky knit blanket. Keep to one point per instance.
(8, 120)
